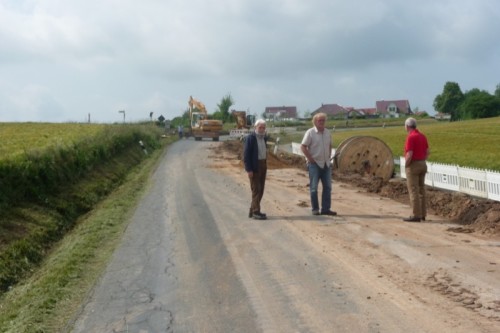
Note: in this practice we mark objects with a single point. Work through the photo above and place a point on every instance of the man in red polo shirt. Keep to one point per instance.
(416, 153)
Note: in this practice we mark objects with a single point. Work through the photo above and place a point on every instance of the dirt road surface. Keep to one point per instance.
(192, 260)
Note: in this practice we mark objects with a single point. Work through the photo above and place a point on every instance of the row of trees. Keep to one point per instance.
(472, 104)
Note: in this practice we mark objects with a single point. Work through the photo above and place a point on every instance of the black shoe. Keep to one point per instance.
(315, 212)
(412, 219)
(259, 216)
(329, 212)
(250, 214)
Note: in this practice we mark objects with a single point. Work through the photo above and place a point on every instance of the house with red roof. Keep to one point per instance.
(367, 112)
(336, 111)
(361, 112)
(382, 109)
(332, 111)
(393, 109)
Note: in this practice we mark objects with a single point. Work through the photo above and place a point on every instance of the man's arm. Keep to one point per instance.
(408, 157)
(306, 153)
(247, 156)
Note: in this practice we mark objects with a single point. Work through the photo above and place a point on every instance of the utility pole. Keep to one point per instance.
(122, 111)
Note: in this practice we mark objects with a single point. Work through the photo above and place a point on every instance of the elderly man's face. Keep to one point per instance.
(260, 128)
(320, 123)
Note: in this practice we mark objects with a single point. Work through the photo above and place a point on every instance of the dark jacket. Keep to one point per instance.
(251, 152)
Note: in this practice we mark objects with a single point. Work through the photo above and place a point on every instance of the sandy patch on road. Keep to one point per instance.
(471, 215)
(447, 265)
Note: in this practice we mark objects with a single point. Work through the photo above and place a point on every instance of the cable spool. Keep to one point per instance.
(365, 155)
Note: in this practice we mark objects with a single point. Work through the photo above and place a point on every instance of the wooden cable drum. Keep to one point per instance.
(339, 149)
(365, 155)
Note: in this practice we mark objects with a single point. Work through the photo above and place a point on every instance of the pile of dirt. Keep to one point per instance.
(469, 213)
(472, 214)
(280, 161)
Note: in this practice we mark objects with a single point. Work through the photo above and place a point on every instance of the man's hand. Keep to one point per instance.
(305, 151)
(408, 158)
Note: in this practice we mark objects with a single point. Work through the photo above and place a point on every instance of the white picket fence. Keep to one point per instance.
(476, 182)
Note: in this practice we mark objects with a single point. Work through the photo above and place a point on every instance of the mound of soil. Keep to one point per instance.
(469, 213)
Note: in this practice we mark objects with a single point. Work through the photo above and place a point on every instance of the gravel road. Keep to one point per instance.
(192, 261)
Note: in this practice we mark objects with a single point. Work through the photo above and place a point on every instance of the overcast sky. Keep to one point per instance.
(61, 60)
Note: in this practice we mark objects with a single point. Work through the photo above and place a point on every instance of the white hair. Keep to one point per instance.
(411, 122)
(259, 121)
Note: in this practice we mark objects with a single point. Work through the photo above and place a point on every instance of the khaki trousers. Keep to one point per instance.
(415, 180)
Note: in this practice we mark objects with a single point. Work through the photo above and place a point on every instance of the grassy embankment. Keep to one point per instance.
(53, 242)
(471, 143)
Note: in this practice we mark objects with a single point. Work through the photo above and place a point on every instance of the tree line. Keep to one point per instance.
(472, 104)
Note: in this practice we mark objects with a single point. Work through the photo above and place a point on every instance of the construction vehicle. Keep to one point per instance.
(201, 125)
(243, 123)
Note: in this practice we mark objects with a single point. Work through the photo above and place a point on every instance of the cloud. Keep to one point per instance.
(36, 102)
(90, 56)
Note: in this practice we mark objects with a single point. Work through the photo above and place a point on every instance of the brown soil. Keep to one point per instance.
(472, 215)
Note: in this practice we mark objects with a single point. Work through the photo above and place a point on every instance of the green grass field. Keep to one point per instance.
(472, 143)
(19, 138)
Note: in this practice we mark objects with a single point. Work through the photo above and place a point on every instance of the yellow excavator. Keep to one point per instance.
(201, 125)
(243, 123)
(241, 119)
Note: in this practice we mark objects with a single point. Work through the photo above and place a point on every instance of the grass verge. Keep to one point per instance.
(49, 299)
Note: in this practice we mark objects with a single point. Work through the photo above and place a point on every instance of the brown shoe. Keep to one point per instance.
(412, 219)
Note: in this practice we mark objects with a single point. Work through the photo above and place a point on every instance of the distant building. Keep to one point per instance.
(334, 111)
(382, 109)
(361, 113)
(442, 116)
(420, 113)
(393, 109)
(281, 112)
